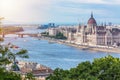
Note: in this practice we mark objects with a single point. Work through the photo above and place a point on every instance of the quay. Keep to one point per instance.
(83, 47)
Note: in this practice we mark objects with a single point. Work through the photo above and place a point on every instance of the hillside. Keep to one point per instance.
(11, 29)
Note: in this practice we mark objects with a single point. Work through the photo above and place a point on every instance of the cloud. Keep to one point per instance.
(111, 2)
(43, 11)
(88, 1)
(23, 11)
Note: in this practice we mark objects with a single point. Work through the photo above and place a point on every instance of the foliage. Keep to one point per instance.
(106, 68)
(45, 33)
(57, 36)
(60, 36)
(29, 76)
(7, 57)
(6, 75)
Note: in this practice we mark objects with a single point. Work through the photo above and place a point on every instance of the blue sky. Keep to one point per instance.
(59, 11)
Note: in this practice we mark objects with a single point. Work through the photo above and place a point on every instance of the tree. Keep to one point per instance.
(29, 76)
(58, 74)
(6, 75)
(106, 68)
(60, 36)
(7, 57)
(4, 58)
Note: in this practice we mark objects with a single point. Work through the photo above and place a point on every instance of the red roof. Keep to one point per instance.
(91, 21)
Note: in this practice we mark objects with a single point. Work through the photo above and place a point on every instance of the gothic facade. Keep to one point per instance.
(92, 34)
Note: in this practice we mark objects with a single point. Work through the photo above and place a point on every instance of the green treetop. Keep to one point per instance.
(106, 68)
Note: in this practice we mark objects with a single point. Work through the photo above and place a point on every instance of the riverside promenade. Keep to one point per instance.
(84, 47)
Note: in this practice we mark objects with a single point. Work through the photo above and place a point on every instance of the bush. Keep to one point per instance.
(106, 68)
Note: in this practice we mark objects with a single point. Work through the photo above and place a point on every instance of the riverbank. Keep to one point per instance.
(12, 29)
(83, 47)
(102, 49)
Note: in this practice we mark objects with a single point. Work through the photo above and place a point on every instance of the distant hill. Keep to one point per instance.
(11, 29)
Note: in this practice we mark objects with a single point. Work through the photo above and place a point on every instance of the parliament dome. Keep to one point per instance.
(92, 21)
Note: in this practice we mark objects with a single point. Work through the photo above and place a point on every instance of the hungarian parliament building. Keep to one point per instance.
(92, 34)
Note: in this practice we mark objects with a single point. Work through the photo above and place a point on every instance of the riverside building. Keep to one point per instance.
(92, 34)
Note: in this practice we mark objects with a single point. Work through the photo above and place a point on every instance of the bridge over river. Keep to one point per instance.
(22, 34)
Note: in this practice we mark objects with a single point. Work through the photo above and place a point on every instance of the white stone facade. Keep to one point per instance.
(97, 35)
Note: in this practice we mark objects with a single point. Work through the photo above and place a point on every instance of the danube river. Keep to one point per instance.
(55, 55)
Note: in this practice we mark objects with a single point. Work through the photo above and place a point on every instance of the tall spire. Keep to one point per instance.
(91, 14)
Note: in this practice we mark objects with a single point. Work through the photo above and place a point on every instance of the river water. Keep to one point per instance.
(55, 55)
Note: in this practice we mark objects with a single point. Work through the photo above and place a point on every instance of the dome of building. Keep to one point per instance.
(92, 21)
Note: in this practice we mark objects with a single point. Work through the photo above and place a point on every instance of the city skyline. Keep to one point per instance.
(60, 11)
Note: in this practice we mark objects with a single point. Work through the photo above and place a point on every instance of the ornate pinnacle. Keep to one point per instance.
(91, 14)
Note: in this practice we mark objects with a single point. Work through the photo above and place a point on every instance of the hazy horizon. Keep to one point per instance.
(59, 11)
